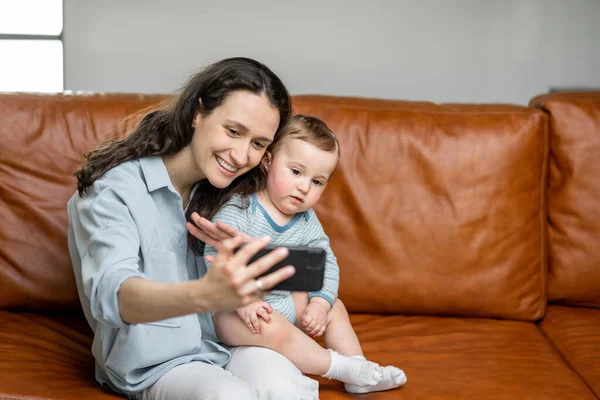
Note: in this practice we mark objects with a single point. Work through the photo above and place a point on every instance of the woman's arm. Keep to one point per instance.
(142, 300)
(228, 284)
(106, 246)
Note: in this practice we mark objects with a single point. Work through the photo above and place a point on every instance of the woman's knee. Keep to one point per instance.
(271, 375)
(223, 389)
(198, 380)
(233, 389)
(300, 387)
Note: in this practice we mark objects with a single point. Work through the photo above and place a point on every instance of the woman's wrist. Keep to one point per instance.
(195, 296)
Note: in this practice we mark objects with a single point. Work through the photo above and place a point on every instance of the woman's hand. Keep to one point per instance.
(212, 234)
(231, 283)
(250, 313)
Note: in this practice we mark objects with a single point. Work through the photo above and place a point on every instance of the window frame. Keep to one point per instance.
(59, 37)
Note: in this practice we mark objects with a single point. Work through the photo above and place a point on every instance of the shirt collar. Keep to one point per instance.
(155, 173)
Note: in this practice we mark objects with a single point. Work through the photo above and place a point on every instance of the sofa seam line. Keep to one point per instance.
(564, 359)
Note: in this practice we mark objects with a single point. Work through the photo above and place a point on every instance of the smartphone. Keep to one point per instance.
(309, 263)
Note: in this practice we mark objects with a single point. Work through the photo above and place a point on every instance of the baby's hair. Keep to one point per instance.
(309, 129)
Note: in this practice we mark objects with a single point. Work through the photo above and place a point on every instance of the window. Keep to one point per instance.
(31, 46)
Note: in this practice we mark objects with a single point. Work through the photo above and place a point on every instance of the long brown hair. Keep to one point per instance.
(168, 129)
(303, 127)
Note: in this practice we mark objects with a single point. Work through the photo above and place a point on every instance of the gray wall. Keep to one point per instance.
(436, 50)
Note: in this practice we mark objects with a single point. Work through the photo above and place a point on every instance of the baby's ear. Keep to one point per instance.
(266, 160)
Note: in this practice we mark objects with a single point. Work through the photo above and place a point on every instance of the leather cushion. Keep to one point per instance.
(437, 209)
(573, 197)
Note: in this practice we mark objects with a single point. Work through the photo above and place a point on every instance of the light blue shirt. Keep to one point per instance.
(131, 223)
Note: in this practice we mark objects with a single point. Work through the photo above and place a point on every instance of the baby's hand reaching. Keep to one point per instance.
(314, 319)
(250, 313)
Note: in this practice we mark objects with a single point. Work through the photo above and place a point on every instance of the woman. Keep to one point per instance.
(147, 297)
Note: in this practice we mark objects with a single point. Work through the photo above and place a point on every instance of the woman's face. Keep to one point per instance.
(233, 138)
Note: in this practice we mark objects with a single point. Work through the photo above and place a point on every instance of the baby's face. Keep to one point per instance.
(298, 174)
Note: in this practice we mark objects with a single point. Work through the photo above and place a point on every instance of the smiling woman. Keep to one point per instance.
(145, 294)
(31, 46)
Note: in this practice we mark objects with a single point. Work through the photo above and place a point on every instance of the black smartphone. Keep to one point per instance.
(309, 263)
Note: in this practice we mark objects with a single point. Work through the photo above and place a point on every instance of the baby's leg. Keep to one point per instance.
(280, 335)
(300, 301)
(340, 336)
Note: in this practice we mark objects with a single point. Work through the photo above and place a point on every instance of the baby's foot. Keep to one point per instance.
(392, 378)
(353, 370)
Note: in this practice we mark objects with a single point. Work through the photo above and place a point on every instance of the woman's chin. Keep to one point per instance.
(220, 181)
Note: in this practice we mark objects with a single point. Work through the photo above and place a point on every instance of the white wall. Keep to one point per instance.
(436, 50)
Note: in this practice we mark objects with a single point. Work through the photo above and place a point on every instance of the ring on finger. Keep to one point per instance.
(259, 285)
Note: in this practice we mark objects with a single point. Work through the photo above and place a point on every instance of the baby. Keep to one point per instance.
(297, 168)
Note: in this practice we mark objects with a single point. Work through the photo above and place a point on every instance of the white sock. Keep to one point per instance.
(353, 371)
(392, 378)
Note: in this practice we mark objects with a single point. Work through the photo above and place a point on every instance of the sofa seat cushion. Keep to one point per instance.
(46, 357)
(575, 331)
(453, 358)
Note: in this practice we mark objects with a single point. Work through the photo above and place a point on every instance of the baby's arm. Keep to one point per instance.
(317, 238)
(235, 215)
(314, 319)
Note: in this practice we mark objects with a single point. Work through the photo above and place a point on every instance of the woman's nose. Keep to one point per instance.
(239, 155)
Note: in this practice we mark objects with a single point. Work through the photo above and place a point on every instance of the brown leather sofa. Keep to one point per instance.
(468, 238)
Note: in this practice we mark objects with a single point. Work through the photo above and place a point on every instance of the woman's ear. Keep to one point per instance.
(266, 160)
(197, 116)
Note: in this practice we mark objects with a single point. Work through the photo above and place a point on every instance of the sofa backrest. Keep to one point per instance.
(435, 209)
(573, 197)
(42, 142)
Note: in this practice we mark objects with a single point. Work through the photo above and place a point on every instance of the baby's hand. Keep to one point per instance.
(250, 313)
(314, 320)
